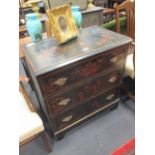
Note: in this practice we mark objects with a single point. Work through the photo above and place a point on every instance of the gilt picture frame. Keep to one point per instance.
(63, 23)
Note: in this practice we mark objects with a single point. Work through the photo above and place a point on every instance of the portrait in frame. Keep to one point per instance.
(63, 23)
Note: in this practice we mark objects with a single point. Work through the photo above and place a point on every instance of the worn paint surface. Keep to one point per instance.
(47, 55)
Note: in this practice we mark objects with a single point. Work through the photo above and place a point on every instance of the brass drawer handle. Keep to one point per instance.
(67, 119)
(64, 102)
(61, 81)
(110, 97)
(112, 79)
(114, 59)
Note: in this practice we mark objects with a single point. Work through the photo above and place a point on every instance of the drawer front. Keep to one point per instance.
(57, 81)
(82, 92)
(71, 117)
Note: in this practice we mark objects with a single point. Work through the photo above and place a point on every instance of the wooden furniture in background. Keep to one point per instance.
(22, 31)
(108, 11)
(129, 7)
(108, 14)
(31, 125)
(79, 79)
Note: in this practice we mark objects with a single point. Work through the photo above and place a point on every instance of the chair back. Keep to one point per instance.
(25, 94)
(129, 7)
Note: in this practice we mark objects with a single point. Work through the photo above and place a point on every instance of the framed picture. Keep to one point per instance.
(63, 24)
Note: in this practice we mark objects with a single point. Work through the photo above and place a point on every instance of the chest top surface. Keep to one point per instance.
(47, 55)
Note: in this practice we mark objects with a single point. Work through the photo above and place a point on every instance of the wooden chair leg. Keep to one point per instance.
(46, 142)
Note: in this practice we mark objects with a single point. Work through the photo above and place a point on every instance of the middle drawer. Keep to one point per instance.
(82, 92)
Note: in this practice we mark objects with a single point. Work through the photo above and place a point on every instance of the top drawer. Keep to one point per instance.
(56, 81)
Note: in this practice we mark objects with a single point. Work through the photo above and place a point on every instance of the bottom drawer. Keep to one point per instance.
(85, 109)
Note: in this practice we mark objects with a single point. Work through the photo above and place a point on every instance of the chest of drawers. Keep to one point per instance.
(79, 79)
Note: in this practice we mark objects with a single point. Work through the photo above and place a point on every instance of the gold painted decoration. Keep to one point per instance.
(110, 97)
(61, 81)
(63, 24)
(114, 59)
(64, 102)
(67, 119)
(112, 79)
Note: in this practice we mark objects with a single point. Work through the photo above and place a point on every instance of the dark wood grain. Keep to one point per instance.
(129, 7)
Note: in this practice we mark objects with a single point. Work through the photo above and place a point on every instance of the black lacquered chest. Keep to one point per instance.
(79, 79)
